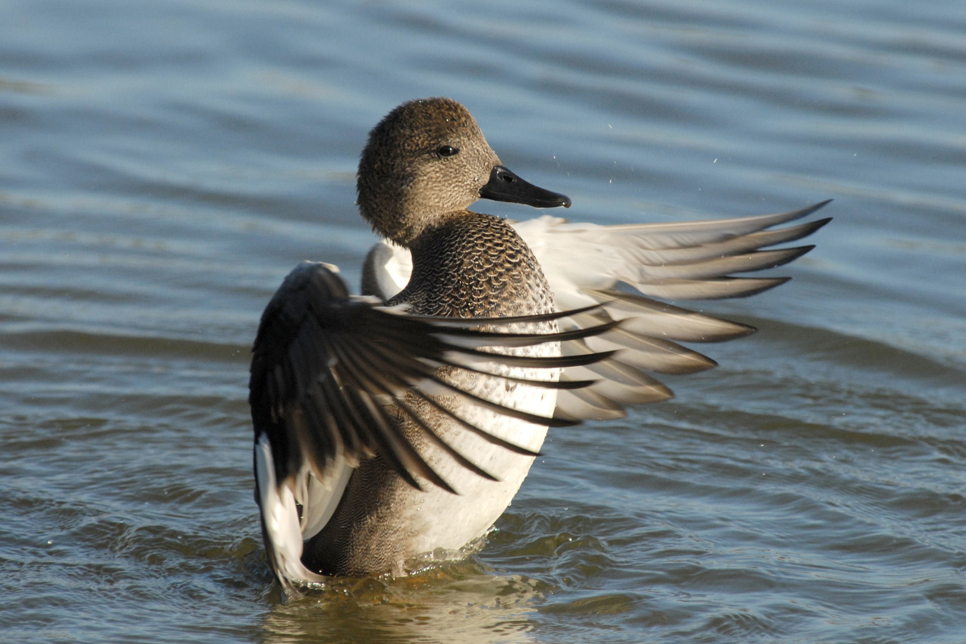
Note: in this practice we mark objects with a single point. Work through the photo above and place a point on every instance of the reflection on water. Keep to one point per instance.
(453, 603)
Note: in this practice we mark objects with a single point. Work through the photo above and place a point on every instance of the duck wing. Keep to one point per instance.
(587, 264)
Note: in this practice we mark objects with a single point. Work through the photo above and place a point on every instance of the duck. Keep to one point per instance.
(394, 427)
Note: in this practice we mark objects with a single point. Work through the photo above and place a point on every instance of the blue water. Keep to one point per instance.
(164, 164)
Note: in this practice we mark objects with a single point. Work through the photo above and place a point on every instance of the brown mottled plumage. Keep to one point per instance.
(474, 265)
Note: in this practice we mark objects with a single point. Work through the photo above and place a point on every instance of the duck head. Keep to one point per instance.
(428, 160)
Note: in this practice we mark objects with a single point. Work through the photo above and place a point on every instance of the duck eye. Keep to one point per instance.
(446, 151)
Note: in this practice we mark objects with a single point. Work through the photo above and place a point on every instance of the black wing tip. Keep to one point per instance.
(810, 228)
(767, 284)
(786, 256)
(746, 331)
(820, 223)
(798, 252)
(806, 211)
(813, 208)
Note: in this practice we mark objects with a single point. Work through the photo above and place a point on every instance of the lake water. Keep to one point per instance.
(164, 164)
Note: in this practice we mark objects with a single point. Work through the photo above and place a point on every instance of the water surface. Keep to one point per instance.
(165, 164)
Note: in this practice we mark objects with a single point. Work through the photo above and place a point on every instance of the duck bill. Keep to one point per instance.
(506, 186)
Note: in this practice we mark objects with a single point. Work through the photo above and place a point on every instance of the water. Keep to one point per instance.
(164, 164)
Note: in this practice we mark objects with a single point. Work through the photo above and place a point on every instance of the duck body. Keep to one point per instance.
(402, 422)
(471, 265)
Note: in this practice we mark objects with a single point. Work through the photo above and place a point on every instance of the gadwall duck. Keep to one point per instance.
(398, 425)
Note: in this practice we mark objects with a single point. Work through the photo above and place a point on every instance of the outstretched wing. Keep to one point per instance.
(673, 261)
(327, 367)
(585, 264)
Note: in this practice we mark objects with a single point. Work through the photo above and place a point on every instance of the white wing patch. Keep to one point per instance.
(281, 520)
(387, 269)
(319, 499)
